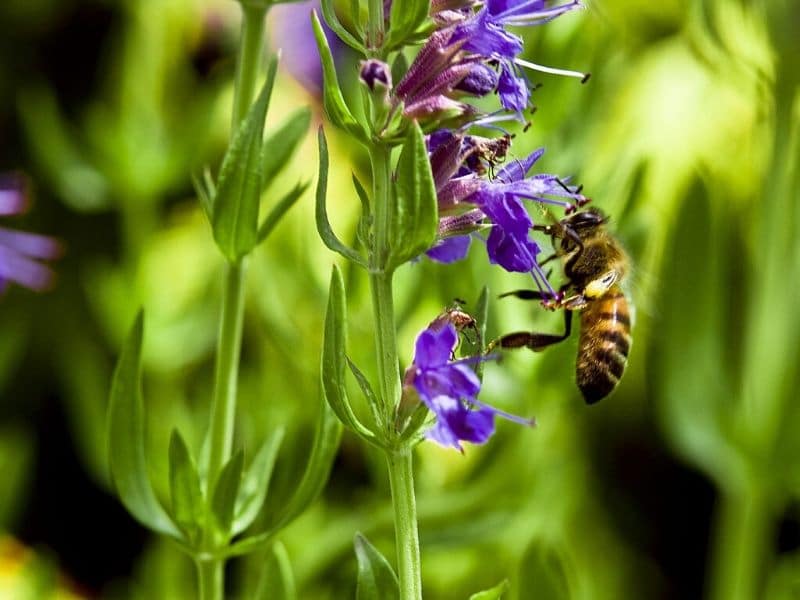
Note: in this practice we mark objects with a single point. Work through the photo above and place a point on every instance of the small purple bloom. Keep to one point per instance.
(449, 388)
(20, 251)
(450, 250)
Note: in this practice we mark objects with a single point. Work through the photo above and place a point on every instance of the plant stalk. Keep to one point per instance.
(401, 480)
(248, 63)
(210, 576)
(399, 460)
(741, 544)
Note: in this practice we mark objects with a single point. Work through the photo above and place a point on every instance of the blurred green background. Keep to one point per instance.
(685, 483)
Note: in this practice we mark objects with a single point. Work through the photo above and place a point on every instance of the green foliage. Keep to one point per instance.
(413, 216)
(238, 191)
(496, 592)
(126, 438)
(376, 579)
(334, 358)
(226, 491)
(323, 225)
(188, 504)
(336, 108)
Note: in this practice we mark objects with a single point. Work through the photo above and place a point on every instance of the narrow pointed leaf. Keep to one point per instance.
(323, 225)
(326, 443)
(188, 504)
(365, 221)
(366, 389)
(415, 421)
(223, 500)
(494, 593)
(126, 438)
(204, 188)
(235, 217)
(376, 579)
(318, 468)
(277, 582)
(334, 358)
(329, 13)
(280, 209)
(333, 102)
(280, 145)
(255, 483)
(414, 216)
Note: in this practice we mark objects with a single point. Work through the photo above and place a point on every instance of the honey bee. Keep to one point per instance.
(595, 266)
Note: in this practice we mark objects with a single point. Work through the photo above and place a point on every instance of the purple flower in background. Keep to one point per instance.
(449, 388)
(20, 251)
(291, 31)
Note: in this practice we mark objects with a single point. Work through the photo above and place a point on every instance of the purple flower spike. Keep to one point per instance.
(449, 388)
(19, 251)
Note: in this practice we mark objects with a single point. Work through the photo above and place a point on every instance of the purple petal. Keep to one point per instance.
(450, 250)
(24, 271)
(517, 169)
(433, 348)
(512, 252)
(513, 90)
(480, 81)
(464, 383)
(30, 244)
(12, 201)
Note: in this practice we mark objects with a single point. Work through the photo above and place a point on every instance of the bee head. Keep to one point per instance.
(585, 219)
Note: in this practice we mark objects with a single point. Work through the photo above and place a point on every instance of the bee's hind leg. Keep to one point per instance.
(531, 340)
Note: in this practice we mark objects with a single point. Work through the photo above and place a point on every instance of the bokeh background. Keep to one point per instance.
(685, 483)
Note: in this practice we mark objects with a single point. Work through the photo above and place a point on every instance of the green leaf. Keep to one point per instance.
(226, 491)
(323, 225)
(280, 145)
(188, 505)
(255, 483)
(406, 17)
(415, 421)
(280, 209)
(326, 443)
(236, 203)
(366, 389)
(414, 215)
(334, 347)
(333, 102)
(494, 593)
(126, 438)
(543, 569)
(365, 221)
(278, 580)
(329, 13)
(376, 579)
(205, 190)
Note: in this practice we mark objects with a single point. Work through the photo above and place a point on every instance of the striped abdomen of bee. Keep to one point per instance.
(603, 345)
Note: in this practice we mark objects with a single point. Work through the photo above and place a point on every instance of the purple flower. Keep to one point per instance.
(449, 388)
(19, 251)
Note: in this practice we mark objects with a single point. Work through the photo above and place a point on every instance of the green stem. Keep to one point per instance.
(399, 460)
(743, 531)
(248, 62)
(211, 579)
(401, 480)
(223, 409)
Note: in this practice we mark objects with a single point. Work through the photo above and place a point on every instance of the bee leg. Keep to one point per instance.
(526, 295)
(533, 341)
